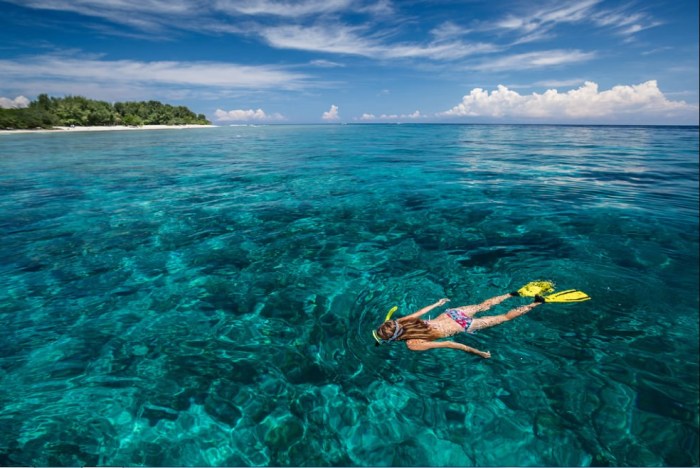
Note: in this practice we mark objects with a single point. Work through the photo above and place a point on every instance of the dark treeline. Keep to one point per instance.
(47, 112)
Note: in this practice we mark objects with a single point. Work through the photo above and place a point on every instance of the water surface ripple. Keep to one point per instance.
(205, 297)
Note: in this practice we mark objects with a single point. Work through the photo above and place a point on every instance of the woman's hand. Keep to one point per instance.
(485, 355)
(443, 301)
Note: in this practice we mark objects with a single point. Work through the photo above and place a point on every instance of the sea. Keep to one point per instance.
(206, 297)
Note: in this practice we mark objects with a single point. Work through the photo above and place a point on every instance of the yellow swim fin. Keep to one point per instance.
(570, 295)
(535, 288)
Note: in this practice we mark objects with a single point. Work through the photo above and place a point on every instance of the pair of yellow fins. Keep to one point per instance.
(537, 289)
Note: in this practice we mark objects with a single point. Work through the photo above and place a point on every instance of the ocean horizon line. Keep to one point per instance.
(108, 128)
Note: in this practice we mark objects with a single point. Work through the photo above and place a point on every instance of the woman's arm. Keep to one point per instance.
(427, 309)
(422, 345)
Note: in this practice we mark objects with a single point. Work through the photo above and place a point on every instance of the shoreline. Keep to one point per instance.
(110, 128)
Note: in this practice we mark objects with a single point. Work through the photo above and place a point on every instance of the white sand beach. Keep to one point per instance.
(105, 128)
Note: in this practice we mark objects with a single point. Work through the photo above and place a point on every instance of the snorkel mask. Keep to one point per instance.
(397, 332)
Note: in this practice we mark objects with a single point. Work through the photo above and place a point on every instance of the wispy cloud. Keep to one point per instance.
(452, 50)
(338, 39)
(540, 21)
(326, 64)
(213, 16)
(541, 59)
(298, 9)
(318, 25)
(585, 102)
(624, 21)
(566, 12)
(308, 25)
(243, 115)
(448, 31)
(150, 15)
(354, 40)
(72, 69)
(291, 9)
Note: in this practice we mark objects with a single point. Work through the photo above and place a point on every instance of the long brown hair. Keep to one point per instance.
(413, 329)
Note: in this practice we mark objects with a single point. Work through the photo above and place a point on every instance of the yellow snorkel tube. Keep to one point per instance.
(388, 316)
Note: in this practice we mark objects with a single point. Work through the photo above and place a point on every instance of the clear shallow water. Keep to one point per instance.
(206, 297)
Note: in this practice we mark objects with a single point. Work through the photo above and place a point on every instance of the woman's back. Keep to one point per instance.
(444, 325)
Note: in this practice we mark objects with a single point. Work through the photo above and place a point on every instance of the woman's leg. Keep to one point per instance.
(486, 322)
(472, 310)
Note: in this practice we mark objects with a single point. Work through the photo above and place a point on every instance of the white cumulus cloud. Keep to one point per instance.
(16, 103)
(332, 114)
(243, 115)
(585, 102)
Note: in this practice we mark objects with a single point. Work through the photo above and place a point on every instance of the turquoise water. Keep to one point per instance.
(205, 297)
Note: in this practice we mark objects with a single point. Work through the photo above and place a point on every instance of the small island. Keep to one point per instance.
(76, 111)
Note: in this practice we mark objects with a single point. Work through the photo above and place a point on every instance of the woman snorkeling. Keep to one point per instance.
(420, 335)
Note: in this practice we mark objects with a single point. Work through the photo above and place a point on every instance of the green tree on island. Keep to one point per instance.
(47, 112)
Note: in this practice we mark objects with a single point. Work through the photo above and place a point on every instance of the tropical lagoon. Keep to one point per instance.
(206, 297)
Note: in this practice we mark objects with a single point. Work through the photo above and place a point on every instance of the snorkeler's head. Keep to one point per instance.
(406, 329)
(388, 331)
(387, 337)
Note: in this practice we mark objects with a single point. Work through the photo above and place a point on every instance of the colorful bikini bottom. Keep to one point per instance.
(460, 317)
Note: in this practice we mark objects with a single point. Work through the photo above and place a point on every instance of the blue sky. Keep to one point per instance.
(356, 61)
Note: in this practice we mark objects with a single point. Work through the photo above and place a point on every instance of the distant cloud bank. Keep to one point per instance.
(242, 115)
(17, 103)
(371, 117)
(585, 102)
